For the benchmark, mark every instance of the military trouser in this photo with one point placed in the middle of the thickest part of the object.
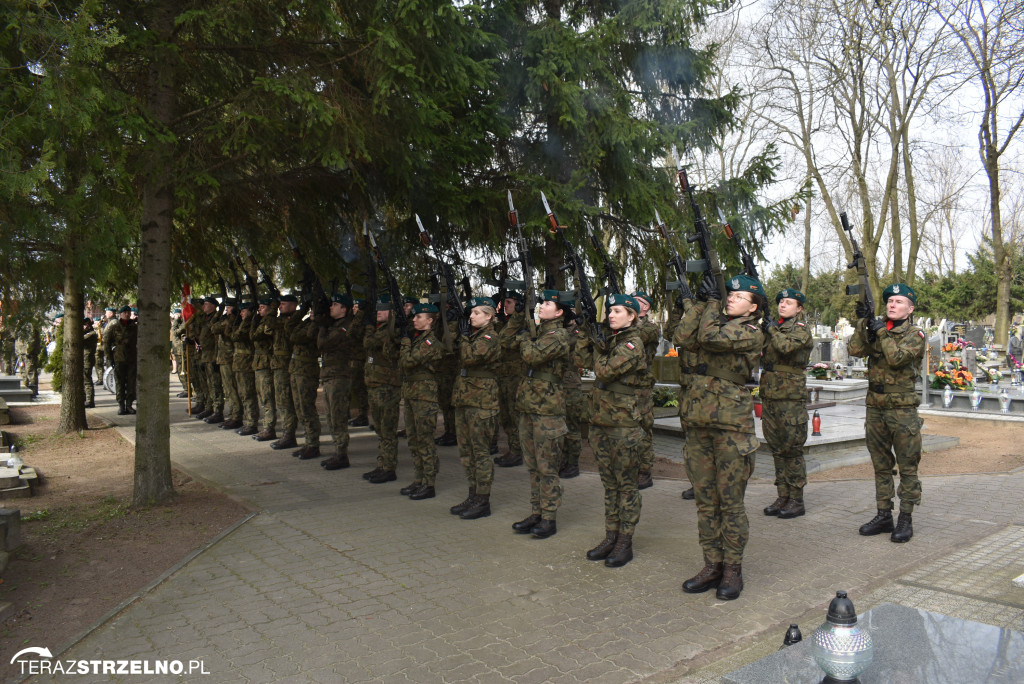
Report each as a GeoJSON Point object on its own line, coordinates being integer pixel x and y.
{"type": "Point", "coordinates": [577, 422]}
{"type": "Point", "coordinates": [214, 390]}
{"type": "Point", "coordinates": [198, 378]}
{"type": "Point", "coordinates": [475, 427]}
{"type": "Point", "coordinates": [304, 397]}
{"type": "Point", "coordinates": [508, 390]}
{"type": "Point", "coordinates": [337, 395]}
{"type": "Point", "coordinates": [360, 394]}
{"type": "Point", "coordinates": [245, 383]}
{"type": "Point", "coordinates": [617, 452]}
{"type": "Point", "coordinates": [265, 396]}
{"type": "Point", "coordinates": [384, 401]}
{"type": "Point", "coordinates": [284, 401]}
{"type": "Point", "coordinates": [124, 381]}
{"type": "Point", "coordinates": [645, 405]}
{"type": "Point", "coordinates": [231, 399]}
{"type": "Point", "coordinates": [785, 431]}
{"type": "Point", "coordinates": [719, 463]}
{"type": "Point", "coordinates": [894, 440]}
{"type": "Point", "coordinates": [420, 425]}
{"type": "Point", "coordinates": [542, 439]}
{"type": "Point", "coordinates": [445, 385]}
{"type": "Point", "coordinates": [179, 362]}
{"type": "Point", "coordinates": [100, 367]}
{"type": "Point", "coordinates": [684, 400]}
{"type": "Point", "coordinates": [90, 390]}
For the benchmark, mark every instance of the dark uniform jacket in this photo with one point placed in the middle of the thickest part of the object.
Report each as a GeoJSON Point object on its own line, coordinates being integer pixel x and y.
{"type": "Point", "coordinates": [241, 336]}
{"type": "Point", "coordinates": [335, 342]}
{"type": "Point", "coordinates": [382, 353]}
{"type": "Point", "coordinates": [123, 339]}
{"type": "Point", "coordinates": [305, 359]}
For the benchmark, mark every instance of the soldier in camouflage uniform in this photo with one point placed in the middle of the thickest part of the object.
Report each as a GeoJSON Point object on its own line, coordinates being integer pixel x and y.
{"type": "Point", "coordinates": [305, 378]}
{"type": "Point", "coordinates": [241, 364]}
{"type": "Point", "coordinates": [336, 341]}
{"type": "Point", "coordinates": [89, 339]}
{"type": "Point", "coordinates": [542, 409]}
{"type": "Point", "coordinates": [617, 434]}
{"type": "Point", "coordinates": [688, 351]}
{"type": "Point", "coordinates": [123, 347]}
{"type": "Point", "coordinates": [447, 371]}
{"type": "Point", "coordinates": [178, 350]}
{"type": "Point", "coordinates": [284, 324]}
{"type": "Point", "coordinates": [263, 352]}
{"type": "Point", "coordinates": [419, 355]}
{"type": "Point", "coordinates": [720, 441]}
{"type": "Point", "coordinates": [223, 329]}
{"type": "Point", "coordinates": [101, 358]}
{"type": "Point", "coordinates": [193, 329]}
{"type": "Point", "coordinates": [894, 347]}
{"type": "Point", "coordinates": [510, 374]}
{"type": "Point", "coordinates": [214, 412]}
{"type": "Point", "coordinates": [384, 384]}
{"type": "Point", "coordinates": [360, 397]}
{"type": "Point", "coordinates": [577, 415]}
{"type": "Point", "coordinates": [787, 348]}
{"type": "Point", "coordinates": [650, 333]}
{"type": "Point", "coordinates": [475, 397]}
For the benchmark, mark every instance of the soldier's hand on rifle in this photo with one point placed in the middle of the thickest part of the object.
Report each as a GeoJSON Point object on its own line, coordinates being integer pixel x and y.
{"type": "Point", "coordinates": [708, 288]}
{"type": "Point", "coordinates": [769, 324]}
{"type": "Point", "coordinates": [875, 325]}
{"type": "Point", "coordinates": [862, 311]}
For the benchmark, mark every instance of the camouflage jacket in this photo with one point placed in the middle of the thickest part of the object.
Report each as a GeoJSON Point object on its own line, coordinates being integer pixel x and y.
{"type": "Point", "coordinates": [177, 330]}
{"type": "Point", "coordinates": [241, 336]}
{"type": "Point", "coordinates": [89, 340]}
{"type": "Point", "coordinates": [579, 358]}
{"type": "Point", "coordinates": [730, 350]}
{"type": "Point", "coordinates": [620, 373]}
{"type": "Point", "coordinates": [650, 334]}
{"type": "Point", "coordinates": [262, 336]}
{"type": "Point", "coordinates": [547, 358]}
{"type": "Point", "coordinates": [477, 383]}
{"type": "Point", "coordinates": [222, 328]}
{"type": "Point", "coordinates": [205, 336]}
{"type": "Point", "coordinates": [684, 338]}
{"type": "Point", "coordinates": [335, 342]}
{"type": "Point", "coordinates": [123, 340]}
{"type": "Point", "coordinates": [894, 362]}
{"type": "Point", "coordinates": [305, 359]}
{"type": "Point", "coordinates": [382, 352]}
{"type": "Point", "coordinates": [512, 364]}
{"type": "Point", "coordinates": [418, 358]}
{"type": "Point", "coordinates": [282, 345]}
{"type": "Point", "coordinates": [787, 349]}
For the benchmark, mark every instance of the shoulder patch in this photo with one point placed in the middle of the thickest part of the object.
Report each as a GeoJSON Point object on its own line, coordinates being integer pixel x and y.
{"type": "Point", "coordinates": [487, 337]}
{"type": "Point", "coordinates": [921, 333]}
{"type": "Point", "coordinates": [427, 342]}
{"type": "Point", "coordinates": [752, 327]}
{"type": "Point", "coordinates": [630, 345]}
{"type": "Point", "coordinates": [800, 324]}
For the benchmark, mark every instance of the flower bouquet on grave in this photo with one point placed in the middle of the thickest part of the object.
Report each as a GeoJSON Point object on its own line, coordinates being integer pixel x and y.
{"type": "Point", "coordinates": [820, 370]}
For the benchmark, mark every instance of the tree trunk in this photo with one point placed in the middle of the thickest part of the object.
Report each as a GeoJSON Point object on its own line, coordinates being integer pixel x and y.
{"type": "Point", "coordinates": [152, 430]}
{"type": "Point", "coordinates": [72, 394]}
{"type": "Point", "coordinates": [805, 275]}
{"type": "Point", "coordinates": [1004, 274]}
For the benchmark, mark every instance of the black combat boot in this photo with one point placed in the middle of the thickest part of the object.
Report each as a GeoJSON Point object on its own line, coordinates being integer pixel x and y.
{"type": "Point", "coordinates": [370, 473]}
{"type": "Point", "coordinates": [129, 409]}
{"type": "Point", "coordinates": [525, 525]}
{"type": "Point", "coordinates": [458, 508]}
{"type": "Point", "coordinates": [309, 453]}
{"type": "Point", "coordinates": [265, 435]}
{"type": "Point", "coordinates": [645, 480]}
{"type": "Point", "coordinates": [688, 494]}
{"type": "Point", "coordinates": [424, 492]}
{"type": "Point", "coordinates": [622, 553]}
{"type": "Point", "coordinates": [544, 529]}
{"type": "Point", "coordinates": [709, 577]}
{"type": "Point", "coordinates": [494, 448]}
{"type": "Point", "coordinates": [446, 440]}
{"type": "Point", "coordinates": [196, 409]}
{"type": "Point", "coordinates": [359, 421]}
{"type": "Point", "coordinates": [732, 582]}
{"type": "Point", "coordinates": [298, 453]}
{"type": "Point", "coordinates": [569, 471]}
{"type": "Point", "coordinates": [231, 424]}
{"type": "Point", "coordinates": [879, 524]}
{"type": "Point", "coordinates": [509, 460]}
{"type": "Point", "coordinates": [382, 477]}
{"type": "Point", "coordinates": [774, 507]}
{"type": "Point", "coordinates": [410, 488]}
{"type": "Point", "coordinates": [286, 442]}
{"type": "Point", "coordinates": [204, 414]}
{"type": "Point", "coordinates": [794, 508]}
{"type": "Point", "coordinates": [246, 430]}
{"type": "Point", "coordinates": [214, 419]}
{"type": "Point", "coordinates": [180, 395]}
{"type": "Point", "coordinates": [336, 462]}
{"type": "Point", "coordinates": [121, 410]}
{"type": "Point", "coordinates": [601, 551]}
{"type": "Point", "coordinates": [480, 508]}
{"type": "Point", "coordinates": [904, 529]}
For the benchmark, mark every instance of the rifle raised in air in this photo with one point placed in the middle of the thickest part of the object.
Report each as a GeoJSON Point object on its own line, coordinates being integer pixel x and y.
{"type": "Point", "coordinates": [398, 318]}
{"type": "Point", "coordinates": [676, 263]}
{"type": "Point", "coordinates": [709, 257]}
{"type": "Point", "coordinates": [863, 288]}
{"type": "Point", "coordinates": [450, 295]}
{"type": "Point", "coordinates": [529, 289]}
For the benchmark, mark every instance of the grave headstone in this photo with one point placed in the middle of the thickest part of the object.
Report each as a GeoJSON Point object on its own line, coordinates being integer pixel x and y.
{"type": "Point", "coordinates": [975, 336]}
{"type": "Point", "coordinates": [839, 352]}
{"type": "Point", "coordinates": [971, 361]}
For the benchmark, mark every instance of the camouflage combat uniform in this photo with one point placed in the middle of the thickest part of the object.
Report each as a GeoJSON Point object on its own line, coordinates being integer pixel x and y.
{"type": "Point", "coordinates": [510, 374]}
{"type": "Point", "coordinates": [262, 336]}
{"type": "Point", "coordinates": [122, 339]}
{"type": "Point", "coordinates": [384, 386]}
{"type": "Point", "coordinates": [447, 371]}
{"type": "Point", "coordinates": [284, 324]}
{"type": "Point", "coordinates": [687, 349]}
{"type": "Point", "coordinates": [419, 357]}
{"type": "Point", "coordinates": [193, 328]}
{"type": "Point", "coordinates": [335, 342]}
{"type": "Point", "coordinates": [222, 329]}
{"type": "Point", "coordinates": [89, 339]}
{"type": "Point", "coordinates": [542, 410]}
{"type": "Point", "coordinates": [617, 436]}
{"type": "Point", "coordinates": [892, 426]}
{"type": "Point", "coordinates": [305, 378]}
{"type": "Point", "coordinates": [178, 349]}
{"type": "Point", "coordinates": [783, 392]}
{"type": "Point", "coordinates": [208, 362]}
{"type": "Point", "coordinates": [577, 404]}
{"type": "Point", "coordinates": [720, 441]}
{"type": "Point", "coordinates": [650, 335]}
{"type": "Point", "coordinates": [241, 364]}
{"type": "Point", "coordinates": [475, 398]}
{"type": "Point", "coordinates": [360, 396]}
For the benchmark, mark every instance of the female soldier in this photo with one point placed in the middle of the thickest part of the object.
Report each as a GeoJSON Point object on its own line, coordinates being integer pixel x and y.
{"type": "Point", "coordinates": [617, 437]}
{"type": "Point", "coordinates": [720, 441]}
{"type": "Point", "coordinates": [419, 355]}
{"type": "Point", "coordinates": [475, 398]}
{"type": "Point", "coordinates": [541, 406]}
{"type": "Point", "coordinates": [787, 348]}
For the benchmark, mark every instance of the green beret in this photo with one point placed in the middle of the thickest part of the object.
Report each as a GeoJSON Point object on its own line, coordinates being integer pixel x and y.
{"type": "Point", "coordinates": [548, 296]}
{"type": "Point", "coordinates": [384, 302]}
{"type": "Point", "coordinates": [512, 294]}
{"type": "Point", "coordinates": [790, 293]}
{"type": "Point", "coordinates": [125, 309]}
{"type": "Point", "coordinates": [640, 294]}
{"type": "Point", "coordinates": [290, 298]}
{"type": "Point", "coordinates": [230, 301]}
{"type": "Point", "coordinates": [211, 300]}
{"type": "Point", "coordinates": [111, 309]}
{"type": "Point", "coordinates": [744, 283]}
{"type": "Point", "coordinates": [901, 289]}
{"type": "Point", "coordinates": [409, 299]}
{"type": "Point", "coordinates": [622, 300]}
{"type": "Point", "coordinates": [342, 299]}
{"type": "Point", "coordinates": [267, 301]}
{"type": "Point", "coordinates": [247, 306]}
{"type": "Point", "coordinates": [424, 308]}
{"type": "Point", "coordinates": [480, 301]}
{"type": "Point", "coordinates": [60, 315]}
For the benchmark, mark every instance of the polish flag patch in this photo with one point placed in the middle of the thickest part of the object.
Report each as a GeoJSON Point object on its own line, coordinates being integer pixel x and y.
{"type": "Point", "coordinates": [487, 337]}
{"type": "Point", "coordinates": [630, 345]}
{"type": "Point", "coordinates": [752, 327]}
{"type": "Point", "coordinates": [427, 342]}
{"type": "Point", "coordinates": [801, 324]}
{"type": "Point", "coordinates": [921, 334]}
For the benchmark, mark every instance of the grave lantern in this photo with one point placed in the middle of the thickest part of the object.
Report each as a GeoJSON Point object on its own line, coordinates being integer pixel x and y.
{"type": "Point", "coordinates": [841, 647]}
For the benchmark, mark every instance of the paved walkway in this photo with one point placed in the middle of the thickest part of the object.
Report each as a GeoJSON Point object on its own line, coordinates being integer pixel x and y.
{"type": "Point", "coordinates": [338, 580]}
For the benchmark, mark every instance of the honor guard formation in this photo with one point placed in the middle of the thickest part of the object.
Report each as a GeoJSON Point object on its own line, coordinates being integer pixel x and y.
{"type": "Point", "coordinates": [517, 361]}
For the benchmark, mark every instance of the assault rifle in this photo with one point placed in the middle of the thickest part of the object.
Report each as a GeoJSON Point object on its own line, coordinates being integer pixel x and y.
{"type": "Point", "coordinates": [313, 294]}
{"type": "Point", "coordinates": [749, 267]}
{"type": "Point", "coordinates": [585, 300]}
{"type": "Point", "coordinates": [676, 263]}
{"type": "Point", "coordinates": [370, 314]}
{"type": "Point", "coordinates": [860, 263]}
{"type": "Point", "coordinates": [611, 278]}
{"type": "Point", "coordinates": [709, 257]}
{"type": "Point", "coordinates": [274, 292]}
{"type": "Point", "coordinates": [449, 294]}
{"type": "Point", "coordinates": [398, 318]}
{"type": "Point", "coordinates": [529, 290]}
{"type": "Point", "coordinates": [499, 279]}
